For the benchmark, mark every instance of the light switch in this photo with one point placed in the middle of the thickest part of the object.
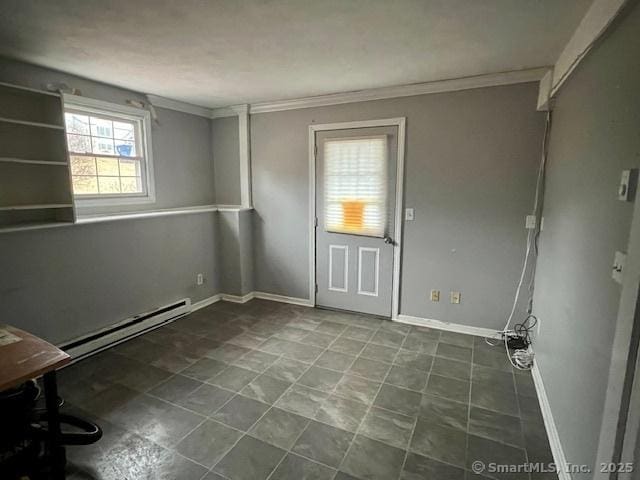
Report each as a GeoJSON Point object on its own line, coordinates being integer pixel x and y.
{"type": "Point", "coordinates": [409, 214]}
{"type": "Point", "coordinates": [435, 295]}
{"type": "Point", "coordinates": [455, 297]}
{"type": "Point", "coordinates": [619, 261]}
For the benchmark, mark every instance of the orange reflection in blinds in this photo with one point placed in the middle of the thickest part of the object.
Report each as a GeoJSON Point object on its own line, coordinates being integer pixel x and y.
{"type": "Point", "coordinates": [353, 215]}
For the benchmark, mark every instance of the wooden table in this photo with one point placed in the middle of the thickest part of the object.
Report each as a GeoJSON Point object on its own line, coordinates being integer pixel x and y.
{"type": "Point", "coordinates": [24, 356]}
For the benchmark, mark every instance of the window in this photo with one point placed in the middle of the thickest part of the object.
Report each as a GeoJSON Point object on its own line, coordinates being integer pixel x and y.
{"type": "Point", "coordinates": [109, 152]}
{"type": "Point", "coordinates": [355, 175]}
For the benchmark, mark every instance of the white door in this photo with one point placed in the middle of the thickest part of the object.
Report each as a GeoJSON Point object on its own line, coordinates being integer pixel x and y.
{"type": "Point", "coordinates": [355, 205]}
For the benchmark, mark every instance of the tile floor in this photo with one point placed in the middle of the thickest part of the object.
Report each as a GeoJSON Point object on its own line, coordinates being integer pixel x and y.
{"type": "Point", "coordinates": [268, 390]}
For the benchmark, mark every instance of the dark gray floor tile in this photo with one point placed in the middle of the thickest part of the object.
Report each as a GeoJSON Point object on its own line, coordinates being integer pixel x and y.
{"type": "Point", "coordinates": [495, 426]}
{"type": "Point", "coordinates": [335, 360]}
{"type": "Point", "coordinates": [438, 442]}
{"type": "Point", "coordinates": [304, 323]}
{"type": "Point", "coordinates": [399, 400]}
{"type": "Point", "coordinates": [443, 411]}
{"type": "Point", "coordinates": [417, 360]}
{"type": "Point", "coordinates": [175, 388]}
{"type": "Point", "coordinates": [250, 459]}
{"type": "Point", "coordinates": [525, 386]}
{"type": "Point", "coordinates": [493, 377]}
{"type": "Point", "coordinates": [488, 451]}
{"type": "Point", "coordinates": [409, 378]}
{"type": "Point", "coordinates": [388, 427]}
{"type": "Point", "coordinates": [388, 338]}
{"type": "Point", "coordinates": [302, 352]}
{"type": "Point", "coordinates": [156, 420]}
{"type": "Point", "coordinates": [459, 339]}
{"type": "Point", "coordinates": [173, 361]}
{"type": "Point", "coordinates": [320, 378]}
{"type": "Point", "coordinates": [357, 388]}
{"type": "Point", "coordinates": [417, 467]}
{"type": "Point", "coordinates": [492, 398]}
{"type": "Point", "coordinates": [279, 427]}
{"type": "Point", "coordinates": [420, 343]}
{"type": "Point", "coordinates": [318, 339]}
{"type": "Point", "coordinates": [301, 400]}
{"type": "Point", "coordinates": [380, 353]}
{"type": "Point", "coordinates": [345, 476]}
{"type": "Point", "coordinates": [105, 401]}
{"type": "Point", "coordinates": [323, 443]}
{"type": "Point", "coordinates": [530, 409]}
{"type": "Point", "coordinates": [294, 467]}
{"type": "Point", "coordinates": [227, 353]}
{"type": "Point", "coordinates": [493, 359]}
{"type": "Point", "coordinates": [331, 328]}
{"type": "Point", "coordinates": [287, 369]}
{"type": "Point", "coordinates": [256, 360]}
{"type": "Point", "coordinates": [358, 333]}
{"type": "Point", "coordinates": [265, 388]}
{"type": "Point", "coordinates": [206, 399]}
{"type": "Point", "coordinates": [397, 327]}
{"type": "Point", "coordinates": [204, 369]}
{"type": "Point", "coordinates": [342, 413]}
{"type": "Point", "coordinates": [451, 368]}
{"type": "Point", "coordinates": [373, 460]}
{"type": "Point", "coordinates": [140, 376]}
{"type": "Point", "coordinates": [240, 412]}
{"type": "Point", "coordinates": [213, 476]}
{"type": "Point", "coordinates": [454, 352]}
{"type": "Point", "coordinates": [136, 457]}
{"type": "Point", "coordinates": [292, 333]}
{"type": "Point", "coordinates": [370, 369]}
{"type": "Point", "coordinates": [248, 340]}
{"type": "Point", "coordinates": [347, 345]}
{"type": "Point", "coordinates": [451, 388]}
{"type": "Point", "coordinates": [537, 443]}
{"type": "Point", "coordinates": [208, 443]}
{"type": "Point", "coordinates": [234, 378]}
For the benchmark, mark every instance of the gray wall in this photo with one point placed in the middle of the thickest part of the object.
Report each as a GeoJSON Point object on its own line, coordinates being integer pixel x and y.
{"type": "Point", "coordinates": [594, 137]}
{"type": "Point", "coordinates": [235, 252]}
{"type": "Point", "coordinates": [226, 157]}
{"type": "Point", "coordinates": [471, 160]}
{"type": "Point", "coordinates": [65, 282]}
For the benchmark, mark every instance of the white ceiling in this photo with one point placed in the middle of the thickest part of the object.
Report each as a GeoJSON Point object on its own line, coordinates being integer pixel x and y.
{"type": "Point", "coordinates": [222, 52]}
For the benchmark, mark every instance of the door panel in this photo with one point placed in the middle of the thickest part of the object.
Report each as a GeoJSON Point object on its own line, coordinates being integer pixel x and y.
{"type": "Point", "coordinates": [354, 271]}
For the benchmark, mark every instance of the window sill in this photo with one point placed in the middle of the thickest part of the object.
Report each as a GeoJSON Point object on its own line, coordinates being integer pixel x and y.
{"type": "Point", "coordinates": [89, 219]}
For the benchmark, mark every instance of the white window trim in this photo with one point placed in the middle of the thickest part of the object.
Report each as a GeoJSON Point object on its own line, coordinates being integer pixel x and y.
{"type": "Point", "coordinates": [75, 102]}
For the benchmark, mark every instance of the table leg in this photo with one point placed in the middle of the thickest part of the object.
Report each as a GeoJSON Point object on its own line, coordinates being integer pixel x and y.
{"type": "Point", "coordinates": [56, 450]}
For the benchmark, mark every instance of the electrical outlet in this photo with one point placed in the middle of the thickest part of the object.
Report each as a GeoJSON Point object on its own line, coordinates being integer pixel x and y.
{"type": "Point", "coordinates": [409, 214]}
{"type": "Point", "coordinates": [435, 295]}
{"type": "Point", "coordinates": [199, 279]}
{"type": "Point", "coordinates": [455, 297]}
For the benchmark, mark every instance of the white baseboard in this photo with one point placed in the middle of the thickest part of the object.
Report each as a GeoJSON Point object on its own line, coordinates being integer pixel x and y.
{"type": "Point", "coordinates": [206, 302]}
{"type": "Point", "coordinates": [449, 327]}
{"type": "Point", "coordinates": [227, 297]}
{"type": "Point", "coordinates": [550, 425]}
{"type": "Point", "coordinates": [283, 299]}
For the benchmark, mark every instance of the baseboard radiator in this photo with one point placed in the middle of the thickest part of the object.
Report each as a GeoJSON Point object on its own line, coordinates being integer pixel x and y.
{"type": "Point", "coordinates": [126, 329]}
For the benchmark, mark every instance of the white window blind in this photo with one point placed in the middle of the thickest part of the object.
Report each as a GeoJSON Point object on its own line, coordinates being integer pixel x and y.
{"type": "Point", "coordinates": [355, 183]}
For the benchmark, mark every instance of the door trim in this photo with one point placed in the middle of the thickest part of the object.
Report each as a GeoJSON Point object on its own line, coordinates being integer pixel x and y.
{"type": "Point", "coordinates": [399, 122]}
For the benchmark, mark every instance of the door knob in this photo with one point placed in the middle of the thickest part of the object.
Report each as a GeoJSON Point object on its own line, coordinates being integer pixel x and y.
{"type": "Point", "coordinates": [388, 240]}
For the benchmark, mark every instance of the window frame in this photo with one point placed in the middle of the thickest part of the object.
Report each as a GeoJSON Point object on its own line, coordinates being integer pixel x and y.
{"type": "Point", "coordinates": [385, 191]}
{"type": "Point", "coordinates": [112, 111]}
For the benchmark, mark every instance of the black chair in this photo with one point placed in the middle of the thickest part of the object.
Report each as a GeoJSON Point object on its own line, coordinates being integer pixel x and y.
{"type": "Point", "coordinates": [24, 433]}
